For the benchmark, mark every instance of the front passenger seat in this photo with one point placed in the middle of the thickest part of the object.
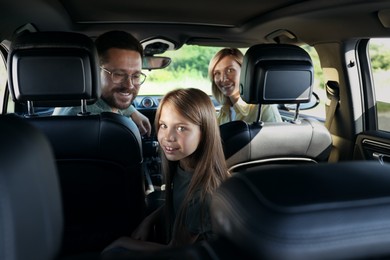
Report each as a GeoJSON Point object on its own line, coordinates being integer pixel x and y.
{"type": "Point", "coordinates": [275, 74]}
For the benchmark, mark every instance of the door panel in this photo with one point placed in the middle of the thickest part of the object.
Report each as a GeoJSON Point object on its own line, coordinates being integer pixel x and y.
{"type": "Point", "coordinates": [373, 145]}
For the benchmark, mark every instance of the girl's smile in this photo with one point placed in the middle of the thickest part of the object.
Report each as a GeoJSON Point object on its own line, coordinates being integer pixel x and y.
{"type": "Point", "coordinates": [178, 136]}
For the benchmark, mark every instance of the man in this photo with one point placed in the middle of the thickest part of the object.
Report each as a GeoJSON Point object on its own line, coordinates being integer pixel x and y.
{"type": "Point", "coordinates": [120, 56]}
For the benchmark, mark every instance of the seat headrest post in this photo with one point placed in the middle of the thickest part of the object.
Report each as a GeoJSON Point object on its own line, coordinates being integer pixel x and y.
{"type": "Point", "coordinates": [83, 107]}
{"type": "Point", "coordinates": [296, 117]}
{"type": "Point", "coordinates": [258, 114]}
{"type": "Point", "coordinates": [30, 108]}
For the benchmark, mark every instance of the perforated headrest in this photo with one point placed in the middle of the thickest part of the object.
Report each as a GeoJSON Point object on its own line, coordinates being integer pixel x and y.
{"type": "Point", "coordinates": [53, 68]}
{"type": "Point", "coordinates": [276, 74]}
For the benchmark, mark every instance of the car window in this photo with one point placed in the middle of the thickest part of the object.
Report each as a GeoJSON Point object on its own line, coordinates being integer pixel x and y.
{"type": "Point", "coordinates": [379, 50]}
{"type": "Point", "coordinates": [3, 80]}
{"type": "Point", "coordinates": [4, 45]}
{"type": "Point", "coordinates": [319, 86]}
{"type": "Point", "coordinates": [189, 68]}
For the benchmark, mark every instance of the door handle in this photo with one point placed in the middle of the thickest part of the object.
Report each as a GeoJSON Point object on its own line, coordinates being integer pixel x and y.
{"type": "Point", "coordinates": [380, 157]}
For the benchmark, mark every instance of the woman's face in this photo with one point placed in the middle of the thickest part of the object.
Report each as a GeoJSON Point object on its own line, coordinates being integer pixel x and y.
{"type": "Point", "coordinates": [226, 76]}
{"type": "Point", "coordinates": [178, 137]}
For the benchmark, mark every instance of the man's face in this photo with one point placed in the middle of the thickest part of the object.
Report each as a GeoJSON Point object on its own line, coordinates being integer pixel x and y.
{"type": "Point", "coordinates": [120, 95]}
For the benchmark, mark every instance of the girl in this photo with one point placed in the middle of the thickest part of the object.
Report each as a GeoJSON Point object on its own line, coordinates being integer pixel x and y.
{"type": "Point", "coordinates": [194, 166]}
{"type": "Point", "coordinates": [224, 73]}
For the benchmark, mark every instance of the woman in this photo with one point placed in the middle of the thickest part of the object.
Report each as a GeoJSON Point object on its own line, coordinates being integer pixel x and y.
{"type": "Point", "coordinates": [224, 73]}
{"type": "Point", "coordinates": [194, 166]}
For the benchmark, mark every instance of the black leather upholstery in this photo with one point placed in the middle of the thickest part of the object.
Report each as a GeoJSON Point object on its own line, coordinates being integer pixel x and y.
{"type": "Point", "coordinates": [99, 157]}
{"type": "Point", "coordinates": [30, 204]}
{"type": "Point", "coordinates": [275, 74]}
{"type": "Point", "coordinates": [53, 69]}
{"type": "Point", "coordinates": [316, 211]}
{"type": "Point", "coordinates": [100, 169]}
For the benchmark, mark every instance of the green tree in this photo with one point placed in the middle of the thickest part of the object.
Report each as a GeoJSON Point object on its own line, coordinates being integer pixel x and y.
{"type": "Point", "coordinates": [380, 57]}
{"type": "Point", "coordinates": [192, 59]}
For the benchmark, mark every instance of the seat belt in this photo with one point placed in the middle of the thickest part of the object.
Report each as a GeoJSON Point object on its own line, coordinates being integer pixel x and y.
{"type": "Point", "coordinates": [333, 94]}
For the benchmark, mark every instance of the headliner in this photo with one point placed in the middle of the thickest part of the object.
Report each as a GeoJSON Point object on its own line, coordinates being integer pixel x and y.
{"type": "Point", "coordinates": [219, 23]}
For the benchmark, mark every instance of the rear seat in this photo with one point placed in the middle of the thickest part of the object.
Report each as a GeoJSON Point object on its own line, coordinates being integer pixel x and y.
{"type": "Point", "coordinates": [30, 205]}
{"type": "Point", "coordinates": [324, 211]}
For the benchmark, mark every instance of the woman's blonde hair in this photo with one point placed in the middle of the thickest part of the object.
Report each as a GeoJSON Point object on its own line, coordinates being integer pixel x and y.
{"type": "Point", "coordinates": [208, 161]}
{"type": "Point", "coordinates": [237, 55]}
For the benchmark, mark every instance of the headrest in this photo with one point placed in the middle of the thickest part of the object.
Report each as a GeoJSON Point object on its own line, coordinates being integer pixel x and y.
{"type": "Point", "coordinates": [276, 74]}
{"type": "Point", "coordinates": [31, 218]}
{"type": "Point", "coordinates": [323, 211]}
{"type": "Point", "coordinates": [53, 68]}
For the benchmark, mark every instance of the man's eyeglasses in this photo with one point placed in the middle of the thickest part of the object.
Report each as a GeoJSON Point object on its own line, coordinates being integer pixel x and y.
{"type": "Point", "coordinates": [119, 77]}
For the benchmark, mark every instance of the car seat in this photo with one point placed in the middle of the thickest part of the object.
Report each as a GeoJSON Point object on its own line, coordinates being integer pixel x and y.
{"type": "Point", "coordinates": [275, 74]}
{"type": "Point", "coordinates": [99, 156]}
{"type": "Point", "coordinates": [31, 220]}
{"type": "Point", "coordinates": [312, 211]}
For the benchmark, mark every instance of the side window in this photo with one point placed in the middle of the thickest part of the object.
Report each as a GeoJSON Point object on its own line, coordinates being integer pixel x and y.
{"type": "Point", "coordinates": [379, 51]}
{"type": "Point", "coordinates": [3, 81]}
{"type": "Point", "coordinates": [318, 88]}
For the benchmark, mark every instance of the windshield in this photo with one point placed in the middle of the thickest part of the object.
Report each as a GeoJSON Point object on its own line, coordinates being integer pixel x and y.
{"type": "Point", "coordinates": [188, 69]}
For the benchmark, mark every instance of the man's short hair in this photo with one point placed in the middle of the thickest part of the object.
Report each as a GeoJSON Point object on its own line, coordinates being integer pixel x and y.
{"type": "Point", "coordinates": [117, 39]}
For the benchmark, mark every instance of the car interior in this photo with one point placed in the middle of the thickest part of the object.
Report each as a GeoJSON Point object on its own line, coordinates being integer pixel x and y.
{"type": "Point", "coordinates": [31, 211]}
{"type": "Point", "coordinates": [314, 186]}
{"type": "Point", "coordinates": [275, 73]}
{"type": "Point", "coordinates": [102, 191]}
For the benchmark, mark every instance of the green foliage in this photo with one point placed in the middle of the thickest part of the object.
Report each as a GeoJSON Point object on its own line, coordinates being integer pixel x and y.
{"type": "Point", "coordinates": [383, 107]}
{"type": "Point", "coordinates": [380, 55]}
{"type": "Point", "coordinates": [160, 76]}
{"type": "Point", "coordinates": [191, 62]}
{"type": "Point", "coordinates": [318, 75]}
{"type": "Point", "coordinates": [191, 59]}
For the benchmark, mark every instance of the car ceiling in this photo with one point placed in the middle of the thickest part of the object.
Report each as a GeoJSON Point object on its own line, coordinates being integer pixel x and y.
{"type": "Point", "coordinates": [217, 23]}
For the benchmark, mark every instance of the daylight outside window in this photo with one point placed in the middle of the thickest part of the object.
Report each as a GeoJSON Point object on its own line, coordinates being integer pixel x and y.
{"type": "Point", "coordinates": [379, 50]}
{"type": "Point", "coordinates": [189, 68]}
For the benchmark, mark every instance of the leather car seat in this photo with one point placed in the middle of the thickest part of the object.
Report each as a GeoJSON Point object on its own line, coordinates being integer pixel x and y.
{"type": "Point", "coordinates": [99, 156]}
{"type": "Point", "coordinates": [31, 219]}
{"type": "Point", "coordinates": [275, 74]}
{"type": "Point", "coordinates": [313, 211]}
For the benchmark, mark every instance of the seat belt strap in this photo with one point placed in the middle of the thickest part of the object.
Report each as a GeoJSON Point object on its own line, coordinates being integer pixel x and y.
{"type": "Point", "coordinates": [332, 91]}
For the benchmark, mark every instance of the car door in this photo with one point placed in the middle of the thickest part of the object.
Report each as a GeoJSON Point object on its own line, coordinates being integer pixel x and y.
{"type": "Point", "coordinates": [374, 142]}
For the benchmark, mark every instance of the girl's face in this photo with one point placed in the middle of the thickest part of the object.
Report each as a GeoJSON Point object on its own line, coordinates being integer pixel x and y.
{"type": "Point", "coordinates": [178, 137]}
{"type": "Point", "coordinates": [226, 76]}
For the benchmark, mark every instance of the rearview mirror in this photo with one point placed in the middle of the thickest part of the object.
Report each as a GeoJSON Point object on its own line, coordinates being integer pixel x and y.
{"type": "Point", "coordinates": [153, 63]}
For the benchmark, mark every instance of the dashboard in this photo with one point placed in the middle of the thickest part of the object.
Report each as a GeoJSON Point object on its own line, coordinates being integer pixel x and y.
{"type": "Point", "coordinates": [145, 102]}
{"type": "Point", "coordinates": [151, 102]}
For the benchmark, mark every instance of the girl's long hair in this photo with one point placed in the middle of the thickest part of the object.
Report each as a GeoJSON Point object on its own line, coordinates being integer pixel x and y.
{"type": "Point", "coordinates": [237, 56]}
{"type": "Point", "coordinates": [208, 160]}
